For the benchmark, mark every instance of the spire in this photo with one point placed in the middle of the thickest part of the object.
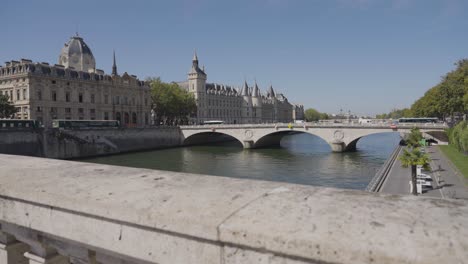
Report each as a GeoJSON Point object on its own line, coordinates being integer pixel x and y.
{"type": "Point", "coordinates": [271, 92]}
{"type": "Point", "coordinates": [256, 91]}
{"type": "Point", "coordinates": [114, 66]}
{"type": "Point", "coordinates": [195, 58]}
{"type": "Point", "coordinates": [245, 89]}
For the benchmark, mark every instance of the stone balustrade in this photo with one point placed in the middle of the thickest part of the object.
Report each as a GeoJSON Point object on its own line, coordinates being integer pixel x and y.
{"type": "Point", "coordinates": [54, 211]}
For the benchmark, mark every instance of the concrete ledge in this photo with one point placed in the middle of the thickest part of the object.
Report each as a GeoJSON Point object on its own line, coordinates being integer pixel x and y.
{"type": "Point", "coordinates": [152, 216]}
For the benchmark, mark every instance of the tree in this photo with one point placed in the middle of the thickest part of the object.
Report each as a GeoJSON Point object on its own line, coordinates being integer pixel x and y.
{"type": "Point", "coordinates": [324, 116]}
{"type": "Point", "coordinates": [412, 156]}
{"type": "Point", "coordinates": [311, 115]}
{"type": "Point", "coordinates": [6, 109]}
{"type": "Point", "coordinates": [171, 104]}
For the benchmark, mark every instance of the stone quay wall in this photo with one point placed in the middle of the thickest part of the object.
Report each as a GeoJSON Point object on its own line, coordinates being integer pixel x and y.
{"type": "Point", "coordinates": [79, 143]}
{"type": "Point", "coordinates": [56, 211]}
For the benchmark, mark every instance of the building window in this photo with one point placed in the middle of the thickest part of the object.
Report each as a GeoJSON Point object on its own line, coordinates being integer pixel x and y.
{"type": "Point", "coordinates": [80, 110]}
{"type": "Point", "coordinates": [17, 94]}
{"type": "Point", "coordinates": [38, 109]}
{"type": "Point", "coordinates": [39, 95]}
{"type": "Point", "coordinates": [53, 110]}
{"type": "Point", "coordinates": [24, 94]}
{"type": "Point", "coordinates": [67, 96]}
{"type": "Point", "coordinates": [106, 99]}
{"type": "Point", "coordinates": [92, 111]}
{"type": "Point", "coordinates": [54, 82]}
{"type": "Point", "coordinates": [68, 110]}
{"type": "Point", "coordinates": [134, 118]}
{"type": "Point", "coordinates": [80, 97]}
{"type": "Point", "coordinates": [106, 116]}
{"type": "Point", "coordinates": [54, 96]}
{"type": "Point", "coordinates": [117, 100]}
{"type": "Point", "coordinates": [146, 101]}
{"type": "Point", "coordinates": [92, 98]}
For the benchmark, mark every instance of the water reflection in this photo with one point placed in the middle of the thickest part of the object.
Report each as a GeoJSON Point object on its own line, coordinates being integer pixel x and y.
{"type": "Point", "coordinates": [302, 159]}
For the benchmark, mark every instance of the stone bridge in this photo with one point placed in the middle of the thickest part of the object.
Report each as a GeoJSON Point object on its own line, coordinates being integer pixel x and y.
{"type": "Point", "coordinates": [340, 137]}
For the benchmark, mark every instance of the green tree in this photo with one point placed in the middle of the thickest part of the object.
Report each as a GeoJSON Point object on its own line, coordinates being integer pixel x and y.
{"type": "Point", "coordinates": [311, 115]}
{"type": "Point", "coordinates": [171, 104]}
{"type": "Point", "coordinates": [6, 108]}
{"type": "Point", "coordinates": [324, 116]}
{"type": "Point", "coordinates": [412, 156]}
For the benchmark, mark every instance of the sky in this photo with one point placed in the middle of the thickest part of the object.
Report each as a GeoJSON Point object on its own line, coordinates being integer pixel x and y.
{"type": "Point", "coordinates": [363, 56]}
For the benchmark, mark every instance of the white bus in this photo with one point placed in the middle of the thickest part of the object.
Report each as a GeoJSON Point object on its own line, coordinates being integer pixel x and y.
{"type": "Point", "coordinates": [213, 122]}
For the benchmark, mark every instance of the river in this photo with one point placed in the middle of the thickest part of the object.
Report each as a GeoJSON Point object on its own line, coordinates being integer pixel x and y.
{"type": "Point", "coordinates": [302, 159]}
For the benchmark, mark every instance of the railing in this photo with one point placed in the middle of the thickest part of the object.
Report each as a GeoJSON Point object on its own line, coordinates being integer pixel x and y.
{"type": "Point", "coordinates": [54, 211]}
{"type": "Point", "coordinates": [322, 125]}
{"type": "Point", "coordinates": [377, 181]}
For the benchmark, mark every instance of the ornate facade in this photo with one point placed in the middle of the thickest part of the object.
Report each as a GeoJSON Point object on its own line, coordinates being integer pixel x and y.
{"type": "Point", "coordinates": [75, 89]}
{"type": "Point", "coordinates": [237, 106]}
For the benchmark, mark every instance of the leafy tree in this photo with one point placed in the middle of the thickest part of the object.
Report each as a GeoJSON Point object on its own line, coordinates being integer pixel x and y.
{"type": "Point", "coordinates": [448, 97]}
{"type": "Point", "coordinates": [395, 114]}
{"type": "Point", "coordinates": [412, 156]}
{"type": "Point", "coordinates": [324, 116]}
{"type": "Point", "coordinates": [171, 104]}
{"type": "Point", "coordinates": [311, 115]}
{"type": "Point", "coordinates": [6, 109]}
{"type": "Point", "coordinates": [414, 138]}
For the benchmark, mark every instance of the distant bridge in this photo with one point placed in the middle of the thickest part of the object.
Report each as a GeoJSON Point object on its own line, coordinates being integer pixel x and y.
{"type": "Point", "coordinates": [340, 137]}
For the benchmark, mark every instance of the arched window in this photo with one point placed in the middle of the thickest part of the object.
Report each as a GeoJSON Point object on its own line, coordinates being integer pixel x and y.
{"type": "Point", "coordinates": [127, 118]}
{"type": "Point", "coordinates": [134, 118]}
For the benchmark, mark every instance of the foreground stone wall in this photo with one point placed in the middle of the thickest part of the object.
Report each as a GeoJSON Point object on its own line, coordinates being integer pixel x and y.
{"type": "Point", "coordinates": [91, 213]}
{"type": "Point", "coordinates": [66, 144]}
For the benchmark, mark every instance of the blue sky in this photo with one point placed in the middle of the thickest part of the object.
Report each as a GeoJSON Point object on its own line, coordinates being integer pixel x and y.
{"type": "Point", "coordinates": [367, 56]}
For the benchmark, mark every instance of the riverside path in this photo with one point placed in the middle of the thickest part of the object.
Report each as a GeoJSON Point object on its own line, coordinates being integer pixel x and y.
{"type": "Point", "coordinates": [447, 181]}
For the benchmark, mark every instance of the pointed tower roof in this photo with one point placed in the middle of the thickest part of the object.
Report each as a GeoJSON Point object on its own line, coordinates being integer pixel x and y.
{"type": "Point", "coordinates": [195, 68]}
{"type": "Point", "coordinates": [114, 66]}
{"type": "Point", "coordinates": [256, 90]}
{"type": "Point", "coordinates": [245, 89]}
{"type": "Point", "coordinates": [271, 92]}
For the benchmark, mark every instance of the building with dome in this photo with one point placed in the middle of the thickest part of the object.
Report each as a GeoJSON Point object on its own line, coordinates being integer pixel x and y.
{"type": "Point", "coordinates": [74, 89]}
{"type": "Point", "coordinates": [246, 105]}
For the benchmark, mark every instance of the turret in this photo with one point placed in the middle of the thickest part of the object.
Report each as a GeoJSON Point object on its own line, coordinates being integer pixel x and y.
{"type": "Point", "coordinates": [256, 104]}
{"type": "Point", "coordinates": [247, 104]}
{"type": "Point", "coordinates": [197, 86]}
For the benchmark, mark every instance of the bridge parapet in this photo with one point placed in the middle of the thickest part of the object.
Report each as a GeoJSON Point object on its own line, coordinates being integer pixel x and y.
{"type": "Point", "coordinates": [54, 211]}
{"type": "Point", "coordinates": [321, 125]}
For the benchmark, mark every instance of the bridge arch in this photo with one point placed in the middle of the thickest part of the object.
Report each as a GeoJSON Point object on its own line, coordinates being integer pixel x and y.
{"type": "Point", "coordinates": [208, 137]}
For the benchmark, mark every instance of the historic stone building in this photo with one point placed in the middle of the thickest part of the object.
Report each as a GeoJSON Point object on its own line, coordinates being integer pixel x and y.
{"type": "Point", "coordinates": [236, 106]}
{"type": "Point", "coordinates": [75, 89]}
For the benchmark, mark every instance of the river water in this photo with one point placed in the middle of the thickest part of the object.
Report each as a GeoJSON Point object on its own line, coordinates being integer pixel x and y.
{"type": "Point", "coordinates": [302, 159]}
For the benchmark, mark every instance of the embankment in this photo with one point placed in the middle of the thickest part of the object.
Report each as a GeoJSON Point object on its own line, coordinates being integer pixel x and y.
{"type": "Point", "coordinates": [68, 144]}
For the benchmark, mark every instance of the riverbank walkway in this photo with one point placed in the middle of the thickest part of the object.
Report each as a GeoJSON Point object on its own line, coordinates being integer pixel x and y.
{"type": "Point", "coordinates": [447, 180]}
